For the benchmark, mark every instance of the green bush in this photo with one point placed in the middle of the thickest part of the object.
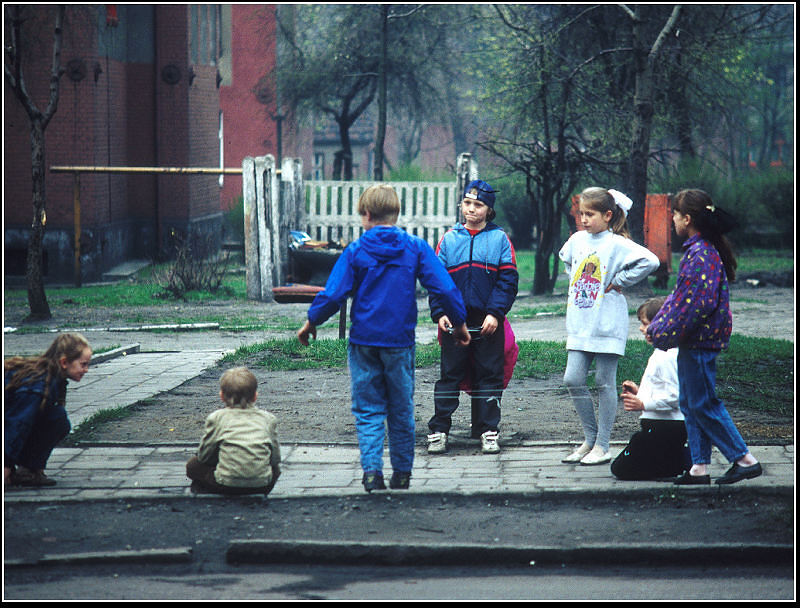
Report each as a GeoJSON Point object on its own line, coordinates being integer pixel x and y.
{"type": "Point", "coordinates": [762, 201]}
{"type": "Point", "coordinates": [233, 226]}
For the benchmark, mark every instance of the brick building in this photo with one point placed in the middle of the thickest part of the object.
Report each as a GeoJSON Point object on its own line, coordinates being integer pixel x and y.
{"type": "Point", "coordinates": [168, 85]}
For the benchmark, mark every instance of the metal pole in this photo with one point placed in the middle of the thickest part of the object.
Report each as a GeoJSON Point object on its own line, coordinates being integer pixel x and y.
{"type": "Point", "coordinates": [179, 170]}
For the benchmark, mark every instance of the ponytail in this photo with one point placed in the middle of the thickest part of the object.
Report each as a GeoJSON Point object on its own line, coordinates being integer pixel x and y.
{"type": "Point", "coordinates": [712, 222]}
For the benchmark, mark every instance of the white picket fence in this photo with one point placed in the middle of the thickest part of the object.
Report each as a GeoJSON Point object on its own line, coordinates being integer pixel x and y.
{"type": "Point", "coordinates": [277, 201]}
{"type": "Point", "coordinates": [427, 209]}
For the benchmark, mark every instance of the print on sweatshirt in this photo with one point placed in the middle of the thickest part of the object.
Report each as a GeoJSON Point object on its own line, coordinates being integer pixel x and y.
{"type": "Point", "coordinates": [586, 282]}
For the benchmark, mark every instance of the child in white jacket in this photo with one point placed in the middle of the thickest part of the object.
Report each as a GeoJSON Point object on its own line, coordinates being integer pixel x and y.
{"type": "Point", "coordinates": [600, 260]}
{"type": "Point", "coordinates": [659, 450]}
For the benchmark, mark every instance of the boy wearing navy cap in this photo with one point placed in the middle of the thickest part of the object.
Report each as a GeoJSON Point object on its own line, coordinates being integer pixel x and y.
{"type": "Point", "coordinates": [480, 258]}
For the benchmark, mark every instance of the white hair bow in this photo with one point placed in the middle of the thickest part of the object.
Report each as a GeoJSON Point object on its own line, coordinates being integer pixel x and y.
{"type": "Point", "coordinates": [623, 202]}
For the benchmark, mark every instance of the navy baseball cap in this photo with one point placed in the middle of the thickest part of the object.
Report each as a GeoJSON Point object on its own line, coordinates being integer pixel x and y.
{"type": "Point", "coordinates": [485, 192]}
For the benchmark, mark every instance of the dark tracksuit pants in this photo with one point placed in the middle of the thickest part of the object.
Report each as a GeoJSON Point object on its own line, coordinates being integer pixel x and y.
{"type": "Point", "coordinates": [481, 362]}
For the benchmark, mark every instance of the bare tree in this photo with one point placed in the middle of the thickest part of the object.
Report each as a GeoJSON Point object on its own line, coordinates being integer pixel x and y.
{"type": "Point", "coordinates": [644, 57]}
{"type": "Point", "coordinates": [16, 16]}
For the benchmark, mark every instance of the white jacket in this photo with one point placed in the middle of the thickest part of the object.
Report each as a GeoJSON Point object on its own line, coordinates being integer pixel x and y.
{"type": "Point", "coordinates": [597, 322]}
{"type": "Point", "coordinates": [658, 389]}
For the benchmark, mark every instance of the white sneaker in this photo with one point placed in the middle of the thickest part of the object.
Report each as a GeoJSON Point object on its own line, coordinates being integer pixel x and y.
{"type": "Point", "coordinates": [596, 456]}
{"type": "Point", "coordinates": [437, 443]}
{"type": "Point", "coordinates": [578, 454]}
{"type": "Point", "coordinates": [489, 443]}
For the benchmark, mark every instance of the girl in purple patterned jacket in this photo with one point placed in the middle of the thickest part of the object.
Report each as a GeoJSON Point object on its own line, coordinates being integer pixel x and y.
{"type": "Point", "coordinates": [697, 319]}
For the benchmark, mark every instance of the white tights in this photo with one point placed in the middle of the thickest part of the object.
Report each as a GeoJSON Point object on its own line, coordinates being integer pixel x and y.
{"type": "Point", "coordinates": [596, 431]}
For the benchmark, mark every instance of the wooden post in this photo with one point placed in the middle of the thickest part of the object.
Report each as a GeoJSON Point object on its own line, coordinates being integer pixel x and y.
{"type": "Point", "coordinates": [76, 218]}
{"type": "Point", "coordinates": [265, 188]}
{"type": "Point", "coordinates": [466, 171]}
{"type": "Point", "coordinates": [251, 259]}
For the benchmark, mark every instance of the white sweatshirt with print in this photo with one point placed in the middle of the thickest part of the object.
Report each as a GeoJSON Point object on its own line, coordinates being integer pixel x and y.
{"type": "Point", "coordinates": [597, 321]}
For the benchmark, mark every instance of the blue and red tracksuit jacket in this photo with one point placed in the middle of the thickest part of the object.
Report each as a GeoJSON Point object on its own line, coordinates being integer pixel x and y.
{"type": "Point", "coordinates": [483, 267]}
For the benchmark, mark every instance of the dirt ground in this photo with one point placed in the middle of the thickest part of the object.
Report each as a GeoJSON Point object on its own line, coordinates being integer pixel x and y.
{"type": "Point", "coordinates": [314, 406]}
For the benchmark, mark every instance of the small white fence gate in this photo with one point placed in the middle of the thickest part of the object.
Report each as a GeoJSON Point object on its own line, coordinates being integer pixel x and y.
{"type": "Point", "coordinates": [277, 201]}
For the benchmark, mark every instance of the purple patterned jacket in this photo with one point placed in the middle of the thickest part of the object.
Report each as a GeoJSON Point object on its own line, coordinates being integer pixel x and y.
{"type": "Point", "coordinates": [697, 314]}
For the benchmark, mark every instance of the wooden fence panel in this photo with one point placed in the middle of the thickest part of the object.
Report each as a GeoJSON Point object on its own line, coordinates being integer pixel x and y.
{"type": "Point", "coordinates": [427, 209]}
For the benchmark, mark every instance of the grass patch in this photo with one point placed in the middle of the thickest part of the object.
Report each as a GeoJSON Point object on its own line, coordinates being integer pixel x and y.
{"type": "Point", "coordinates": [757, 373]}
{"type": "Point", "coordinates": [85, 430]}
{"type": "Point", "coordinates": [754, 373]}
{"type": "Point", "coordinates": [289, 354]}
{"type": "Point", "coordinates": [129, 294]}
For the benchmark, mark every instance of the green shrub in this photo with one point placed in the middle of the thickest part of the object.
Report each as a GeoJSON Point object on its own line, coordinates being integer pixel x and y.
{"type": "Point", "coordinates": [762, 201]}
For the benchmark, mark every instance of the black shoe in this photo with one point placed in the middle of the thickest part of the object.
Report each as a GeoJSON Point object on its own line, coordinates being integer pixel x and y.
{"type": "Point", "coordinates": [692, 480]}
{"type": "Point", "coordinates": [373, 480]}
{"type": "Point", "coordinates": [738, 472]}
{"type": "Point", "coordinates": [400, 481]}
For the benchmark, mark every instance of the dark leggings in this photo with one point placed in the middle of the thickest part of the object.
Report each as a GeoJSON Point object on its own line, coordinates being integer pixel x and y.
{"type": "Point", "coordinates": [658, 451]}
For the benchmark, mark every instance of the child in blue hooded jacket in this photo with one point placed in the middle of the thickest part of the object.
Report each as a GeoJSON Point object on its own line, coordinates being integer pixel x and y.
{"type": "Point", "coordinates": [380, 271]}
{"type": "Point", "coordinates": [480, 257]}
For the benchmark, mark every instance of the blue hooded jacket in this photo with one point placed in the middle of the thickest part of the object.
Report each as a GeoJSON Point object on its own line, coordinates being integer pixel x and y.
{"type": "Point", "coordinates": [380, 271]}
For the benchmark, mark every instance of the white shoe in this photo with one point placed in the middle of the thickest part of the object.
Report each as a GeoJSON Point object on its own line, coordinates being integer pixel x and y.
{"type": "Point", "coordinates": [578, 454]}
{"type": "Point", "coordinates": [489, 443]}
{"type": "Point", "coordinates": [596, 456]}
{"type": "Point", "coordinates": [437, 443]}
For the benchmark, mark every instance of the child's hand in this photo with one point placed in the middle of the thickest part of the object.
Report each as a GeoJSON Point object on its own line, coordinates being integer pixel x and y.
{"type": "Point", "coordinates": [629, 387]}
{"type": "Point", "coordinates": [489, 325]}
{"type": "Point", "coordinates": [444, 324]}
{"type": "Point", "coordinates": [461, 335]}
{"type": "Point", "coordinates": [632, 403]}
{"type": "Point", "coordinates": [304, 332]}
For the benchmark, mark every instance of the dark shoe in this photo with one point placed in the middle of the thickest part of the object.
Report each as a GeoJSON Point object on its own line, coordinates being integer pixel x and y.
{"type": "Point", "coordinates": [692, 480]}
{"type": "Point", "coordinates": [373, 480]}
{"type": "Point", "coordinates": [32, 479]}
{"type": "Point", "coordinates": [400, 481]}
{"type": "Point", "coordinates": [738, 472]}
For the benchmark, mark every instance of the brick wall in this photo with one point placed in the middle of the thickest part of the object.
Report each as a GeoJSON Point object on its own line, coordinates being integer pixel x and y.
{"type": "Point", "coordinates": [123, 112]}
{"type": "Point", "coordinates": [249, 129]}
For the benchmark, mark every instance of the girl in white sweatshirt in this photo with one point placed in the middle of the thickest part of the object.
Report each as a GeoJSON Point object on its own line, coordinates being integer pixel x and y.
{"type": "Point", "coordinates": [600, 260]}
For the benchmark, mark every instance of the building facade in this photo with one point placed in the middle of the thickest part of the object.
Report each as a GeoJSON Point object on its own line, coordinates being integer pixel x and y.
{"type": "Point", "coordinates": [169, 85]}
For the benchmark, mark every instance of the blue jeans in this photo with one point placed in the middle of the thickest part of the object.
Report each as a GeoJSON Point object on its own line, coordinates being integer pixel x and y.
{"type": "Point", "coordinates": [707, 420]}
{"type": "Point", "coordinates": [382, 381]}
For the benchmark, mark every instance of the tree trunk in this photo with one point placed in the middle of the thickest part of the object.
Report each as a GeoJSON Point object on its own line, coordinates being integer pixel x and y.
{"type": "Point", "coordinates": [381, 135]}
{"type": "Point", "coordinates": [37, 300]}
{"type": "Point", "coordinates": [640, 133]}
{"type": "Point", "coordinates": [643, 114]}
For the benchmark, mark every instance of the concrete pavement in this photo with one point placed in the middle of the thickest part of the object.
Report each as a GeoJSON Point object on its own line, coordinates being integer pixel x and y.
{"type": "Point", "coordinates": [127, 471]}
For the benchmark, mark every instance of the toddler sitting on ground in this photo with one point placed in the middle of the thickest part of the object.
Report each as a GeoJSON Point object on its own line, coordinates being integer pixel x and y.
{"type": "Point", "coordinates": [239, 453]}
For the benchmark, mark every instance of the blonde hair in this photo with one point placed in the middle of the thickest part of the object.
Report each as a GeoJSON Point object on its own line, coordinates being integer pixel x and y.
{"type": "Point", "coordinates": [601, 200]}
{"type": "Point", "coordinates": [381, 202]}
{"type": "Point", "coordinates": [238, 386]}
{"type": "Point", "coordinates": [27, 370]}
